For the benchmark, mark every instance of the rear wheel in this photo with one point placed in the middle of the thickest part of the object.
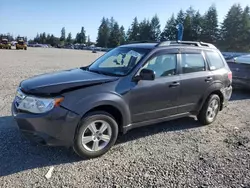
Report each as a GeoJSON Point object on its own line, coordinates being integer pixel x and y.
{"type": "Point", "coordinates": [97, 133]}
{"type": "Point", "coordinates": [209, 110]}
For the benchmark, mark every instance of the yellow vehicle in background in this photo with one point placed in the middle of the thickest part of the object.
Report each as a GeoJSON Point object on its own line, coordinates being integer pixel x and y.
{"type": "Point", "coordinates": [21, 44]}
{"type": "Point", "coordinates": [4, 43]}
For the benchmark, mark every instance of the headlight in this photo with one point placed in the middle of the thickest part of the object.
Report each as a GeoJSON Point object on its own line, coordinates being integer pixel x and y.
{"type": "Point", "coordinates": [37, 105]}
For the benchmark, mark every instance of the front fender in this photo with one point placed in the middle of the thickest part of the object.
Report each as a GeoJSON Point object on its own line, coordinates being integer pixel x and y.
{"type": "Point", "coordinates": [89, 102]}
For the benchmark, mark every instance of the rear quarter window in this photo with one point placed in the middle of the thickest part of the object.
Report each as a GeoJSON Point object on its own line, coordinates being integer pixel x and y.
{"type": "Point", "coordinates": [214, 60]}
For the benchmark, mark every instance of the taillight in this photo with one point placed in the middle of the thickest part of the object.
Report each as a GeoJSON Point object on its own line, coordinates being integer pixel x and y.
{"type": "Point", "coordinates": [230, 76]}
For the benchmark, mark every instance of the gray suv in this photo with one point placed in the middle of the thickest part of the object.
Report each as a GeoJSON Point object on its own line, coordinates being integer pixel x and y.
{"type": "Point", "coordinates": [130, 86]}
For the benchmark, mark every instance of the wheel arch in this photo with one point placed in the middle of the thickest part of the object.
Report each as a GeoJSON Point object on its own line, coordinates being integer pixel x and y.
{"type": "Point", "coordinates": [213, 89]}
{"type": "Point", "coordinates": [111, 103]}
{"type": "Point", "coordinates": [113, 111]}
{"type": "Point", "coordinates": [220, 94]}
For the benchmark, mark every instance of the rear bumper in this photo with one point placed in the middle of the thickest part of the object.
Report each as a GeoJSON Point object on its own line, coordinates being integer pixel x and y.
{"type": "Point", "coordinates": [55, 128]}
{"type": "Point", "coordinates": [227, 93]}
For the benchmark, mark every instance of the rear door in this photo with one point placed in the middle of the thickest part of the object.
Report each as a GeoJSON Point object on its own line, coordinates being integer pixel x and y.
{"type": "Point", "coordinates": [195, 78]}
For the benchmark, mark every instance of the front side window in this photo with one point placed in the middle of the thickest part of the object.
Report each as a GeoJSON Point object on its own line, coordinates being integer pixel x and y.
{"type": "Point", "coordinates": [118, 61]}
{"type": "Point", "coordinates": [192, 63]}
{"type": "Point", "coordinates": [162, 65]}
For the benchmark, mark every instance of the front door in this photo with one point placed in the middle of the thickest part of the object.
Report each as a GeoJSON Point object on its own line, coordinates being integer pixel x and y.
{"type": "Point", "coordinates": [156, 98]}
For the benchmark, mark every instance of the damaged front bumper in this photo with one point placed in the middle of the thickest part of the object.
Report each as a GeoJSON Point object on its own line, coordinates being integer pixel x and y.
{"type": "Point", "coordinates": [55, 128]}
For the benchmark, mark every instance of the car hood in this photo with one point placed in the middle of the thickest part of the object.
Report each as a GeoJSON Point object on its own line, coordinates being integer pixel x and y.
{"type": "Point", "coordinates": [59, 82]}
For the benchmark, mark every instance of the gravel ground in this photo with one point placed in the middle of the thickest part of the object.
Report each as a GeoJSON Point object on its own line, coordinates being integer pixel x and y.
{"type": "Point", "coordinates": [178, 153]}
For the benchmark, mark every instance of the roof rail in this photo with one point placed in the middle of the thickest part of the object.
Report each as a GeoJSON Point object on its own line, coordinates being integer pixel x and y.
{"type": "Point", "coordinates": [194, 43]}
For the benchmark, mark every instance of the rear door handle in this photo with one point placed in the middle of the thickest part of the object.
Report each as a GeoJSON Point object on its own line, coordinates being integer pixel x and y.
{"type": "Point", "coordinates": [208, 79]}
{"type": "Point", "coordinates": [174, 84]}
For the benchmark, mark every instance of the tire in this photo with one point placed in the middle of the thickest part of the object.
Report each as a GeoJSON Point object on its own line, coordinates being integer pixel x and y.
{"type": "Point", "coordinates": [208, 113]}
{"type": "Point", "coordinates": [98, 118]}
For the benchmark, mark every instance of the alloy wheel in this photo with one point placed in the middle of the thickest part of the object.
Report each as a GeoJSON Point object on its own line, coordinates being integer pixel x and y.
{"type": "Point", "coordinates": [212, 109]}
{"type": "Point", "coordinates": [96, 135]}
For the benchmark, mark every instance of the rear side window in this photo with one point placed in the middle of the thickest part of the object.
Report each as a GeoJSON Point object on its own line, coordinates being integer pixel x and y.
{"type": "Point", "coordinates": [214, 60]}
{"type": "Point", "coordinates": [192, 63]}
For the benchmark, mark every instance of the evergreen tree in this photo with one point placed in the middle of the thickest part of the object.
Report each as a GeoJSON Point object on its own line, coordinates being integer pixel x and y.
{"type": "Point", "coordinates": [88, 41]}
{"type": "Point", "coordinates": [10, 37]}
{"type": "Point", "coordinates": [169, 32]}
{"type": "Point", "coordinates": [111, 23]}
{"type": "Point", "coordinates": [82, 37]}
{"type": "Point", "coordinates": [63, 34]}
{"type": "Point", "coordinates": [43, 38]}
{"type": "Point", "coordinates": [69, 38]}
{"type": "Point", "coordinates": [37, 38]}
{"type": "Point", "coordinates": [122, 35]}
{"type": "Point", "coordinates": [210, 29]}
{"type": "Point", "coordinates": [133, 32]}
{"type": "Point", "coordinates": [78, 38]}
{"type": "Point", "coordinates": [155, 29]}
{"type": "Point", "coordinates": [188, 24]}
{"type": "Point", "coordinates": [180, 17]}
{"type": "Point", "coordinates": [197, 26]}
{"type": "Point", "coordinates": [187, 33]}
{"type": "Point", "coordinates": [191, 12]}
{"type": "Point", "coordinates": [233, 34]}
{"type": "Point", "coordinates": [48, 39]}
{"type": "Point", "coordinates": [103, 33]}
{"type": "Point", "coordinates": [145, 30]}
{"type": "Point", "coordinates": [115, 36]}
{"type": "Point", "coordinates": [244, 38]}
{"type": "Point", "coordinates": [231, 29]}
{"type": "Point", "coordinates": [52, 40]}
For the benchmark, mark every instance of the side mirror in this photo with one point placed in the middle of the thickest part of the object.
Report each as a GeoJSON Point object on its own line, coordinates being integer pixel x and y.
{"type": "Point", "coordinates": [145, 74]}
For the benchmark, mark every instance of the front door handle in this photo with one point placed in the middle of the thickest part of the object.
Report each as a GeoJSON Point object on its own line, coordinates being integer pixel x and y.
{"type": "Point", "coordinates": [174, 84]}
{"type": "Point", "coordinates": [208, 79]}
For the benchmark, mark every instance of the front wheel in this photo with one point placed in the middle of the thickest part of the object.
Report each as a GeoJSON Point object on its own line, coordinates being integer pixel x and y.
{"type": "Point", "coordinates": [97, 133]}
{"type": "Point", "coordinates": [209, 110]}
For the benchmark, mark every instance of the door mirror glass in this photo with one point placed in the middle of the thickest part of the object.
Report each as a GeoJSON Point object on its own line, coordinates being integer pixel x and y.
{"type": "Point", "coordinates": [147, 74]}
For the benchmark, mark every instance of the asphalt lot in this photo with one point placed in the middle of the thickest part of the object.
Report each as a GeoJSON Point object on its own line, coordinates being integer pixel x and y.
{"type": "Point", "coordinates": [179, 153]}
